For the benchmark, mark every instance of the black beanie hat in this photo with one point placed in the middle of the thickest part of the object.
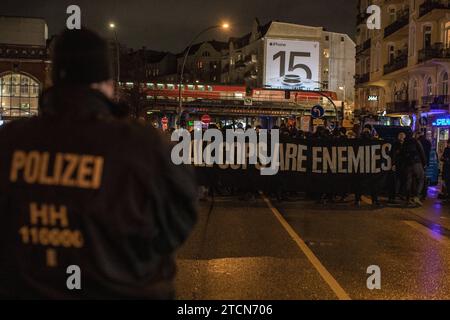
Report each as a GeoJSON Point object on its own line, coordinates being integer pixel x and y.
{"type": "Point", "coordinates": [80, 57]}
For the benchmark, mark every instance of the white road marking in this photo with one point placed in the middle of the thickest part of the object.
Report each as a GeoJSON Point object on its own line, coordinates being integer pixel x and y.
{"type": "Point", "coordinates": [324, 273]}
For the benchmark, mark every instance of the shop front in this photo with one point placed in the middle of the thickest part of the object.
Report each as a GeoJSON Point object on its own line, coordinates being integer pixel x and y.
{"type": "Point", "coordinates": [441, 132]}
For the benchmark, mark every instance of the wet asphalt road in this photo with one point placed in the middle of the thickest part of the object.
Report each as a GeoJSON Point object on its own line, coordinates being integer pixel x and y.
{"type": "Point", "coordinates": [241, 250]}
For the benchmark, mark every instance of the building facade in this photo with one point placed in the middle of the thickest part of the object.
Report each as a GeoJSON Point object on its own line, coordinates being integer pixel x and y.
{"type": "Point", "coordinates": [244, 61]}
{"type": "Point", "coordinates": [24, 65]}
{"type": "Point", "coordinates": [146, 65]}
{"type": "Point", "coordinates": [203, 63]}
{"type": "Point", "coordinates": [404, 67]}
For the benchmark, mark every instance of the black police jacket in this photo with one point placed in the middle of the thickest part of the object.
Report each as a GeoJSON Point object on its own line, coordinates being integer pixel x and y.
{"type": "Point", "coordinates": [90, 206]}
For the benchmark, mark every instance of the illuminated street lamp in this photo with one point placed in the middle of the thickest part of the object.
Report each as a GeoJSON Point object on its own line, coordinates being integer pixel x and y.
{"type": "Point", "coordinates": [223, 26]}
{"type": "Point", "coordinates": [112, 26]}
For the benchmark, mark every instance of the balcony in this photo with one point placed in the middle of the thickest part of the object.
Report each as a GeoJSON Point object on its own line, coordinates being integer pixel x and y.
{"type": "Point", "coordinates": [362, 78]}
{"type": "Point", "coordinates": [400, 62]}
{"type": "Point", "coordinates": [402, 21]}
{"type": "Point", "coordinates": [430, 5]}
{"type": "Point", "coordinates": [400, 106]}
{"type": "Point", "coordinates": [363, 47]}
{"type": "Point", "coordinates": [436, 51]}
{"type": "Point", "coordinates": [440, 102]}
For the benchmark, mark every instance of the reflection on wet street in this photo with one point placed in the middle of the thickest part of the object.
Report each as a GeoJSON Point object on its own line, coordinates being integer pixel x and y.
{"type": "Point", "coordinates": [301, 250]}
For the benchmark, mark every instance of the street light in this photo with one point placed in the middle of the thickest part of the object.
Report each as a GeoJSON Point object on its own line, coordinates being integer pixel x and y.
{"type": "Point", "coordinates": [223, 26]}
{"type": "Point", "coordinates": [112, 26]}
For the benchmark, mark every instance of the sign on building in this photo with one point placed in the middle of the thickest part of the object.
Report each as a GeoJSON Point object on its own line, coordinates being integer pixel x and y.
{"type": "Point", "coordinates": [292, 64]}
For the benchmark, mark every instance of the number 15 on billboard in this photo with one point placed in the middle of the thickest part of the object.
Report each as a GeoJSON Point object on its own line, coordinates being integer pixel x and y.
{"type": "Point", "coordinates": [292, 64]}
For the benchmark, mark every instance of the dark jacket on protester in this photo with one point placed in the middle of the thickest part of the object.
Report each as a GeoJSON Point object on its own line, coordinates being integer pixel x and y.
{"type": "Point", "coordinates": [426, 145]}
{"type": "Point", "coordinates": [408, 153]}
{"type": "Point", "coordinates": [122, 234]}
{"type": "Point", "coordinates": [446, 164]}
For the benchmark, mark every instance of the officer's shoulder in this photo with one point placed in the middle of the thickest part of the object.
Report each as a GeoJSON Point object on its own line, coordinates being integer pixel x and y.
{"type": "Point", "coordinates": [137, 135]}
{"type": "Point", "coordinates": [10, 128]}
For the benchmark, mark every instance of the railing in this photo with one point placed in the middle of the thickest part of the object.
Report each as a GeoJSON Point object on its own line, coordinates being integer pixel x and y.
{"type": "Point", "coordinates": [439, 102]}
{"type": "Point", "coordinates": [401, 21]}
{"type": "Point", "coordinates": [400, 62]}
{"type": "Point", "coordinates": [436, 51]}
{"type": "Point", "coordinates": [362, 78]}
{"type": "Point", "coordinates": [399, 106]}
{"type": "Point", "coordinates": [363, 47]}
{"type": "Point", "coordinates": [430, 5]}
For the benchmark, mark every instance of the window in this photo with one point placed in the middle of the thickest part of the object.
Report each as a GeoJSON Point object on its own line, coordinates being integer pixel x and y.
{"type": "Point", "coordinates": [427, 36]}
{"type": "Point", "coordinates": [19, 95]}
{"type": "Point", "coordinates": [444, 88]}
{"type": "Point", "coordinates": [391, 52]}
{"type": "Point", "coordinates": [447, 35]}
{"type": "Point", "coordinates": [378, 57]}
{"type": "Point", "coordinates": [429, 87]}
{"type": "Point", "coordinates": [206, 54]}
{"type": "Point", "coordinates": [392, 15]}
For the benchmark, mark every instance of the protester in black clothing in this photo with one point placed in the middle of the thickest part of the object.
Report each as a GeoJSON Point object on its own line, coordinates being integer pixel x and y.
{"type": "Point", "coordinates": [427, 146]}
{"type": "Point", "coordinates": [409, 158]}
{"type": "Point", "coordinates": [101, 193]}
{"type": "Point", "coordinates": [367, 136]}
{"type": "Point", "coordinates": [446, 168]}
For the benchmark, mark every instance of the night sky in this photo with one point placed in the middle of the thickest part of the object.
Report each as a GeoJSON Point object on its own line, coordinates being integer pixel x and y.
{"type": "Point", "coordinates": [168, 25]}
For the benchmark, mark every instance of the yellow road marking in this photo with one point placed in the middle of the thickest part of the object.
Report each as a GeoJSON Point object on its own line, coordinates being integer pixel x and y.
{"type": "Point", "coordinates": [326, 276]}
{"type": "Point", "coordinates": [428, 232]}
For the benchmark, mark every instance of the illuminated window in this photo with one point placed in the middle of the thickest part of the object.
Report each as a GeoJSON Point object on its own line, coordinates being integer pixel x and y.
{"type": "Point", "coordinates": [392, 15]}
{"type": "Point", "coordinates": [19, 95]}
{"type": "Point", "coordinates": [447, 35]}
{"type": "Point", "coordinates": [427, 36]}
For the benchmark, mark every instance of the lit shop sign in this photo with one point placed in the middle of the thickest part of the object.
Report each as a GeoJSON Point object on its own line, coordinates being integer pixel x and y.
{"type": "Point", "coordinates": [292, 64]}
{"type": "Point", "coordinates": [372, 98]}
{"type": "Point", "coordinates": [444, 122]}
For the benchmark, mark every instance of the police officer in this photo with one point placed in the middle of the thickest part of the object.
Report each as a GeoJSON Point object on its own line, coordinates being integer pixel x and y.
{"type": "Point", "coordinates": [91, 206]}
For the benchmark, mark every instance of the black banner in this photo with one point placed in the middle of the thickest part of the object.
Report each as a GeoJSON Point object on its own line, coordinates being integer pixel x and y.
{"type": "Point", "coordinates": [330, 166]}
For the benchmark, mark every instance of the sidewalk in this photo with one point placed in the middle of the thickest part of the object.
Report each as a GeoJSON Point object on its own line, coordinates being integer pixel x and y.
{"type": "Point", "coordinates": [434, 209]}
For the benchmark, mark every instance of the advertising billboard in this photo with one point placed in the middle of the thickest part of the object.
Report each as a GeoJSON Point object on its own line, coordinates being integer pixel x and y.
{"type": "Point", "coordinates": [292, 64]}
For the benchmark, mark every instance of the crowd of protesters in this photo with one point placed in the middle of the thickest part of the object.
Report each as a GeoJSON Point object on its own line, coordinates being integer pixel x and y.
{"type": "Point", "coordinates": [410, 154]}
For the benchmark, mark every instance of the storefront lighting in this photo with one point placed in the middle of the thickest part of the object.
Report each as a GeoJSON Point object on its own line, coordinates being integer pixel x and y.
{"type": "Point", "coordinates": [443, 122]}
